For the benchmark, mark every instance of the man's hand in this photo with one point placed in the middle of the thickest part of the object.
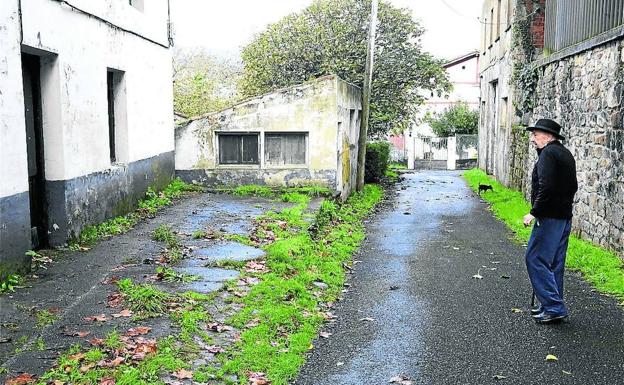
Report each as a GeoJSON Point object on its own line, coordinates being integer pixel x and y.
{"type": "Point", "coordinates": [528, 219]}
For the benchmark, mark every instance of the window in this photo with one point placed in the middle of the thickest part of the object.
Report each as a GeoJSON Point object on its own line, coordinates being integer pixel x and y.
{"type": "Point", "coordinates": [238, 149]}
{"type": "Point", "coordinates": [491, 26]}
{"type": "Point", "coordinates": [117, 121]}
{"type": "Point", "coordinates": [138, 4]}
{"type": "Point", "coordinates": [498, 18]}
{"type": "Point", "coordinates": [284, 149]}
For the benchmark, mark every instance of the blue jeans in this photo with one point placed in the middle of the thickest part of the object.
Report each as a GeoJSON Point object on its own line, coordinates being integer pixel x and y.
{"type": "Point", "coordinates": [545, 261]}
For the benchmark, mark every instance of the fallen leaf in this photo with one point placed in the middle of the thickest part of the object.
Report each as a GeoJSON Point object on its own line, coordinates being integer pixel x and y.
{"type": "Point", "coordinates": [551, 357]}
{"type": "Point", "coordinates": [367, 319]}
{"type": "Point", "coordinates": [339, 363]}
{"type": "Point", "coordinates": [96, 341]}
{"type": "Point", "coordinates": [76, 333]}
{"type": "Point", "coordinates": [400, 379]}
{"type": "Point", "coordinates": [123, 313]}
{"type": "Point", "coordinates": [219, 328]}
{"type": "Point", "coordinates": [516, 310]}
{"type": "Point", "coordinates": [258, 378]}
{"type": "Point", "coordinates": [253, 323]}
{"type": "Point", "coordinates": [99, 318]}
{"type": "Point", "coordinates": [86, 367]}
{"type": "Point", "coordinates": [58, 382]}
{"type": "Point", "coordinates": [22, 379]}
{"type": "Point", "coordinates": [107, 381]}
{"type": "Point", "coordinates": [54, 310]}
{"type": "Point", "coordinates": [498, 377]}
{"type": "Point", "coordinates": [137, 331]}
{"type": "Point", "coordinates": [325, 334]}
{"type": "Point", "coordinates": [77, 356]}
{"type": "Point", "coordinates": [182, 374]}
{"type": "Point", "coordinates": [566, 372]}
{"type": "Point", "coordinates": [114, 299]}
{"type": "Point", "coordinates": [111, 280]}
{"type": "Point", "coordinates": [477, 276]}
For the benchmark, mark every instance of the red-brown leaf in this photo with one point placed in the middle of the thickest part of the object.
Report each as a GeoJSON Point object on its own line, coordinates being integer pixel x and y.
{"type": "Point", "coordinates": [107, 381]}
{"type": "Point", "coordinates": [22, 379]}
{"type": "Point", "coordinates": [99, 318]}
{"type": "Point", "coordinates": [183, 373]}
{"type": "Point", "coordinates": [123, 313]}
{"type": "Point", "coordinates": [137, 331]}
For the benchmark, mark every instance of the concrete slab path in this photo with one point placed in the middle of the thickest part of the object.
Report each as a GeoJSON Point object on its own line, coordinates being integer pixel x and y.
{"type": "Point", "coordinates": [414, 308]}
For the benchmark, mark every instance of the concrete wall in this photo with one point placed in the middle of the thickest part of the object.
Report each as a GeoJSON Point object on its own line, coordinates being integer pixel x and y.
{"type": "Point", "coordinates": [326, 109]}
{"type": "Point", "coordinates": [496, 110]}
{"type": "Point", "coordinates": [77, 46]}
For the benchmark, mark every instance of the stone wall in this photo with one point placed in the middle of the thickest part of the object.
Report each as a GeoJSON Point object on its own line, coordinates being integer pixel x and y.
{"type": "Point", "coordinates": [584, 94]}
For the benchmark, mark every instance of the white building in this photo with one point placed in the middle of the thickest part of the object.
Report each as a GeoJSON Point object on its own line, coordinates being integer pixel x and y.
{"type": "Point", "coordinates": [420, 141]}
{"type": "Point", "coordinates": [85, 116]}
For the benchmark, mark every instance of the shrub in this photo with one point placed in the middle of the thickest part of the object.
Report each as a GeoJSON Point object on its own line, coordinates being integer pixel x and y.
{"type": "Point", "coordinates": [377, 156]}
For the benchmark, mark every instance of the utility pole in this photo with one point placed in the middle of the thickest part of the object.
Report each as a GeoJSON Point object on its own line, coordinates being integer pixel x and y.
{"type": "Point", "coordinates": [366, 92]}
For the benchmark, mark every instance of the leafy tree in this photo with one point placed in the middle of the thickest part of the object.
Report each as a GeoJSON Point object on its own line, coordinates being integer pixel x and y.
{"type": "Point", "coordinates": [203, 83]}
{"type": "Point", "coordinates": [329, 37]}
{"type": "Point", "coordinates": [457, 119]}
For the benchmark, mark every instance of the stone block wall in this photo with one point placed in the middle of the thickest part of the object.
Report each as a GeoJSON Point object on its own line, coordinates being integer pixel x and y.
{"type": "Point", "coordinates": [583, 93]}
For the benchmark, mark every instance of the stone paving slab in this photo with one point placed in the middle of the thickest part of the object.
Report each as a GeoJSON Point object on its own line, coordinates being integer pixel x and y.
{"type": "Point", "coordinates": [76, 286]}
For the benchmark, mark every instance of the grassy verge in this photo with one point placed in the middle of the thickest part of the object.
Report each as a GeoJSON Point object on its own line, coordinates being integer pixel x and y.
{"type": "Point", "coordinates": [282, 193]}
{"type": "Point", "coordinates": [278, 314]}
{"type": "Point", "coordinates": [147, 207]}
{"type": "Point", "coordinates": [306, 271]}
{"type": "Point", "coordinates": [602, 268]}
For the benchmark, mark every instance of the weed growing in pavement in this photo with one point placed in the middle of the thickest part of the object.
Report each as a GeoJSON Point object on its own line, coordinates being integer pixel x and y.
{"type": "Point", "coordinates": [163, 233]}
{"type": "Point", "coordinates": [10, 282]}
{"type": "Point", "coordinates": [167, 274]}
{"type": "Point", "coordinates": [199, 234]}
{"type": "Point", "coordinates": [113, 340]}
{"type": "Point", "coordinates": [284, 308]}
{"type": "Point", "coordinates": [148, 206]}
{"type": "Point", "coordinates": [254, 190]}
{"type": "Point", "coordinates": [281, 192]}
{"type": "Point", "coordinates": [295, 197]}
{"type": "Point", "coordinates": [45, 318]}
{"type": "Point", "coordinates": [145, 300]}
{"type": "Point", "coordinates": [600, 267]}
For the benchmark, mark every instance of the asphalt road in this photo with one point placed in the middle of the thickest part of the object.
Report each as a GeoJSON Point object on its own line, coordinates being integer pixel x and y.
{"type": "Point", "coordinates": [414, 308]}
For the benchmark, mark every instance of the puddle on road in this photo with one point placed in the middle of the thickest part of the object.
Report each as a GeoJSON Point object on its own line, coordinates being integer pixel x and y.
{"type": "Point", "coordinates": [211, 279]}
{"type": "Point", "coordinates": [230, 251]}
{"type": "Point", "coordinates": [232, 217]}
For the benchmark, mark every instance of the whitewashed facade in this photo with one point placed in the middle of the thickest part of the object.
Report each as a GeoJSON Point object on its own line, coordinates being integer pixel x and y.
{"type": "Point", "coordinates": [85, 116]}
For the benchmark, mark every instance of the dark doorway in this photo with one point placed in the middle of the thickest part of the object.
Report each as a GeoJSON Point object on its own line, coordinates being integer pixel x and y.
{"type": "Point", "coordinates": [31, 69]}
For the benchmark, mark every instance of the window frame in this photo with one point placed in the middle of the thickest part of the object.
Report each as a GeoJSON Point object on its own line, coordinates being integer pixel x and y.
{"type": "Point", "coordinates": [258, 160]}
{"type": "Point", "coordinates": [306, 138]}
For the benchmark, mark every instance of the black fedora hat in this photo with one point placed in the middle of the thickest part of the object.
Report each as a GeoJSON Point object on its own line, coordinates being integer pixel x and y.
{"type": "Point", "coordinates": [547, 125]}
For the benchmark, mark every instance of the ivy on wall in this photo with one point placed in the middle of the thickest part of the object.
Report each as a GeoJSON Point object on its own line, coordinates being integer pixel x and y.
{"type": "Point", "coordinates": [524, 76]}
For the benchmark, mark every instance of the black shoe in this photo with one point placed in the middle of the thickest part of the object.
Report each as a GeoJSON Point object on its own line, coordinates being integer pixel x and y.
{"type": "Point", "coordinates": [547, 318]}
{"type": "Point", "coordinates": [536, 311]}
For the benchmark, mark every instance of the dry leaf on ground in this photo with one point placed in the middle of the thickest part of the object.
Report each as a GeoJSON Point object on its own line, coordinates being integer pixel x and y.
{"type": "Point", "coordinates": [99, 318]}
{"type": "Point", "coordinates": [401, 380]}
{"type": "Point", "coordinates": [22, 379]}
{"type": "Point", "coordinates": [183, 373]}
{"type": "Point", "coordinates": [551, 357]}
{"type": "Point", "coordinates": [123, 313]}
{"type": "Point", "coordinates": [258, 378]}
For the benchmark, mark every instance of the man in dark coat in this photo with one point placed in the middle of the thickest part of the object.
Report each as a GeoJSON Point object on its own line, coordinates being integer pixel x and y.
{"type": "Point", "coordinates": [553, 185]}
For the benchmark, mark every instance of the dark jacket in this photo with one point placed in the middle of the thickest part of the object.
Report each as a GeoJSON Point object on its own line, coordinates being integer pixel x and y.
{"type": "Point", "coordinates": [553, 183]}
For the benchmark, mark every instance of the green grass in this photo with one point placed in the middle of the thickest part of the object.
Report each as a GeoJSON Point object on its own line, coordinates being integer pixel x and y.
{"type": "Point", "coordinates": [170, 275]}
{"type": "Point", "coordinates": [397, 166]}
{"type": "Point", "coordinates": [45, 318]}
{"type": "Point", "coordinates": [602, 268]}
{"type": "Point", "coordinates": [285, 301]}
{"type": "Point", "coordinates": [148, 206]}
{"type": "Point", "coordinates": [145, 300]}
{"type": "Point", "coordinates": [283, 193]}
{"type": "Point", "coordinates": [10, 282]}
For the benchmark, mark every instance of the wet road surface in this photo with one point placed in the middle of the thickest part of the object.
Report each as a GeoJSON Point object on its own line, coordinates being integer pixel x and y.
{"type": "Point", "coordinates": [414, 308]}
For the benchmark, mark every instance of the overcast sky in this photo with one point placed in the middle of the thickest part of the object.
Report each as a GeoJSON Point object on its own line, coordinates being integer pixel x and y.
{"type": "Point", "coordinates": [223, 27]}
